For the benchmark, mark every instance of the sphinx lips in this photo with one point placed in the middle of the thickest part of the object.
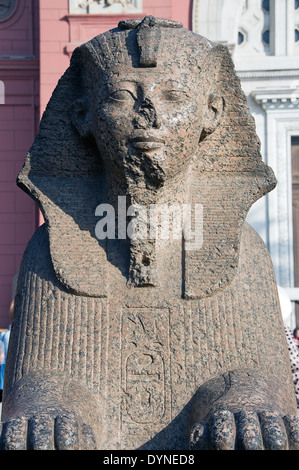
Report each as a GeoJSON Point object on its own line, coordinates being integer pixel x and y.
{"type": "Point", "coordinates": [146, 142]}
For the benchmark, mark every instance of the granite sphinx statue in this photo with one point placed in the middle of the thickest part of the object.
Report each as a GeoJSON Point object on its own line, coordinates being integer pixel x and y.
{"type": "Point", "coordinates": [132, 340]}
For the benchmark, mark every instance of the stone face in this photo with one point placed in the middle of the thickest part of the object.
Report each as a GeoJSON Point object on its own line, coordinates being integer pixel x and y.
{"type": "Point", "coordinates": [138, 340]}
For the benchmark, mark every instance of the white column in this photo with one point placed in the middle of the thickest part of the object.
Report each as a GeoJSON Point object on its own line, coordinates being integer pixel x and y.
{"type": "Point", "coordinates": [282, 112]}
{"type": "Point", "coordinates": [282, 27]}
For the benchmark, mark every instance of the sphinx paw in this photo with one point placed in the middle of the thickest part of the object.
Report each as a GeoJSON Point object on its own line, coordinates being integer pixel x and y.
{"type": "Point", "coordinates": [45, 432]}
{"type": "Point", "coordinates": [224, 430]}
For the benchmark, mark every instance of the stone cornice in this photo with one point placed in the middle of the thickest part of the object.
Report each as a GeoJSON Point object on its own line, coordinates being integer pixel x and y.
{"type": "Point", "coordinates": [287, 98]}
{"type": "Point", "coordinates": [21, 67]}
{"type": "Point", "coordinates": [256, 74]}
{"type": "Point", "coordinates": [268, 63]}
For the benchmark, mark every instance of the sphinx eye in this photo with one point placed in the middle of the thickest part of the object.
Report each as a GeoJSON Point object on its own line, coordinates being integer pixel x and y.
{"type": "Point", "coordinates": [122, 95]}
{"type": "Point", "coordinates": [173, 95]}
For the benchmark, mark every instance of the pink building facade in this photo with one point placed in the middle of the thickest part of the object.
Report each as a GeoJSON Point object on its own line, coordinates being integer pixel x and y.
{"type": "Point", "coordinates": [37, 38]}
{"type": "Point", "coordinates": [19, 117]}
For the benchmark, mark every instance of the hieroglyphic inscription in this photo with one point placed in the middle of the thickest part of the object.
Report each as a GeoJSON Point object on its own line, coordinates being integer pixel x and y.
{"type": "Point", "coordinates": [145, 355]}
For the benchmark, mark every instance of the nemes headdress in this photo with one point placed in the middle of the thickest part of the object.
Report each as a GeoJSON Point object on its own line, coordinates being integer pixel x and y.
{"type": "Point", "coordinates": [63, 171]}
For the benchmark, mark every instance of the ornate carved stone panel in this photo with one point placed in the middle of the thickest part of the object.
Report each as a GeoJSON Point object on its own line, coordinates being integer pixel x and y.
{"type": "Point", "coordinates": [105, 7]}
{"type": "Point", "coordinates": [254, 28]}
{"type": "Point", "coordinates": [218, 21]}
{"type": "Point", "coordinates": [244, 26]}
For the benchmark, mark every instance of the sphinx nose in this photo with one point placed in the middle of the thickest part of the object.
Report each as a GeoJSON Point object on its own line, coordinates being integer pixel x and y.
{"type": "Point", "coordinates": [147, 115]}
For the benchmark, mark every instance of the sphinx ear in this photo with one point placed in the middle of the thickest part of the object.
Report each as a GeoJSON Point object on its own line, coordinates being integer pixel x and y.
{"type": "Point", "coordinates": [81, 116]}
{"type": "Point", "coordinates": [212, 115]}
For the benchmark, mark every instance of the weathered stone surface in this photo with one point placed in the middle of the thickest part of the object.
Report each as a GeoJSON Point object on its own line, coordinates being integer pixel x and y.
{"type": "Point", "coordinates": [147, 342]}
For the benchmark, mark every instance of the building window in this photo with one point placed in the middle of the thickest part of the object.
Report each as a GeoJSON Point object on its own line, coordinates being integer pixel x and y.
{"type": "Point", "coordinates": [266, 5]}
{"type": "Point", "coordinates": [296, 4]}
{"type": "Point", "coordinates": [266, 37]}
{"type": "Point", "coordinates": [295, 142]}
{"type": "Point", "coordinates": [296, 35]}
{"type": "Point", "coordinates": [6, 8]}
{"type": "Point", "coordinates": [241, 38]}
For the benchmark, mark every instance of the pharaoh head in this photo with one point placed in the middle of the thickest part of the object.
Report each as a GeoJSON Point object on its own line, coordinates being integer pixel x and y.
{"type": "Point", "coordinates": [145, 104]}
{"type": "Point", "coordinates": [144, 99]}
